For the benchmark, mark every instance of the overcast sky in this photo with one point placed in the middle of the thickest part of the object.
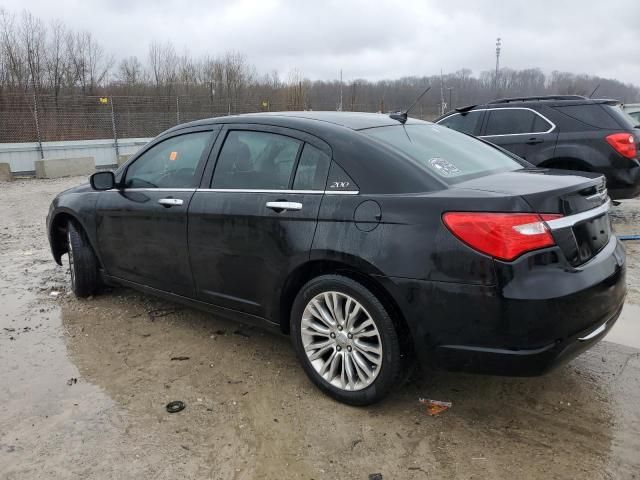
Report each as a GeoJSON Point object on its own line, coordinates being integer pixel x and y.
{"type": "Point", "coordinates": [370, 39]}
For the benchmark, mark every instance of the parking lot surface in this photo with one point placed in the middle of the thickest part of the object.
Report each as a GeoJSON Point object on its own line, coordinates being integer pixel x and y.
{"type": "Point", "coordinates": [84, 384]}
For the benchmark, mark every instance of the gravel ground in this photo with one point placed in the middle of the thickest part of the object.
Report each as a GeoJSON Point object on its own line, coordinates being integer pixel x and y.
{"type": "Point", "coordinates": [85, 382]}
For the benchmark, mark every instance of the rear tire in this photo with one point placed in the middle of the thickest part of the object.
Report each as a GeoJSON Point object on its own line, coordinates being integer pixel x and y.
{"type": "Point", "coordinates": [83, 264]}
{"type": "Point", "coordinates": [345, 340]}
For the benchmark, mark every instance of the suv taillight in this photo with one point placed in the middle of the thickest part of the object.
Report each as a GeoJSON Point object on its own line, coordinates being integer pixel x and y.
{"type": "Point", "coordinates": [504, 236]}
{"type": "Point", "coordinates": [623, 143]}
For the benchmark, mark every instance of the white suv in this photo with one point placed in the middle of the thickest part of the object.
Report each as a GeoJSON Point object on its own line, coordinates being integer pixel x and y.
{"type": "Point", "coordinates": [633, 110]}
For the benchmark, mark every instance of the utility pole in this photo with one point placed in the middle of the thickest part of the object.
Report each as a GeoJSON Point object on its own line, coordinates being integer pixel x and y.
{"type": "Point", "coordinates": [498, 48]}
{"type": "Point", "coordinates": [450, 101]}
{"type": "Point", "coordinates": [442, 103]}
{"type": "Point", "coordinates": [340, 104]}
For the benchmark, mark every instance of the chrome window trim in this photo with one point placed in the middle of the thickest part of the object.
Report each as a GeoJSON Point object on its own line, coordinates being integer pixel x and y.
{"type": "Point", "coordinates": [284, 191]}
{"type": "Point", "coordinates": [553, 125]}
{"type": "Point", "coordinates": [238, 190]}
{"type": "Point", "coordinates": [163, 189]}
{"type": "Point", "coordinates": [571, 220]}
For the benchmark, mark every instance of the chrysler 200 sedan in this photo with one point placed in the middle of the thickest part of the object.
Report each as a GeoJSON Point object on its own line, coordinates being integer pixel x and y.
{"type": "Point", "coordinates": [374, 241]}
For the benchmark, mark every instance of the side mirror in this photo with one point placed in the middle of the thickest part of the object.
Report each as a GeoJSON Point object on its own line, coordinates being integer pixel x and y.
{"type": "Point", "coordinates": [102, 181]}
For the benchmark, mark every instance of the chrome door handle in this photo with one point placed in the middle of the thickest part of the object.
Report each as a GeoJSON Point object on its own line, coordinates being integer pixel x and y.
{"type": "Point", "coordinates": [170, 202]}
{"type": "Point", "coordinates": [280, 206]}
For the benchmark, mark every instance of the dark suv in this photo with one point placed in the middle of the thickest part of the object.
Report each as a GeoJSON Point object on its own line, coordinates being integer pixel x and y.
{"type": "Point", "coordinates": [563, 131]}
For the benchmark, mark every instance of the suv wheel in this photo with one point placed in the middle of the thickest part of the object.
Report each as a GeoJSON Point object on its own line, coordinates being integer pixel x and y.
{"type": "Point", "coordinates": [345, 340]}
{"type": "Point", "coordinates": [82, 262]}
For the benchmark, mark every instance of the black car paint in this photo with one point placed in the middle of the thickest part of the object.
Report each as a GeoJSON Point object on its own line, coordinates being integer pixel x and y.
{"type": "Point", "coordinates": [462, 308]}
{"type": "Point", "coordinates": [571, 142]}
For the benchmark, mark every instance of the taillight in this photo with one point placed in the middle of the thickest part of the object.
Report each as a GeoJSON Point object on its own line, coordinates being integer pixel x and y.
{"type": "Point", "coordinates": [623, 143]}
{"type": "Point", "coordinates": [504, 236]}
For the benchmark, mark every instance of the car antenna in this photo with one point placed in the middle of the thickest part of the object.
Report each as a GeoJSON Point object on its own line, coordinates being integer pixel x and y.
{"type": "Point", "coordinates": [594, 91]}
{"type": "Point", "coordinates": [402, 116]}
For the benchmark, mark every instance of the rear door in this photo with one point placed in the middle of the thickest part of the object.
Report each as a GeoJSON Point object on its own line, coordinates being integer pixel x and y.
{"type": "Point", "coordinates": [142, 226]}
{"type": "Point", "coordinates": [523, 131]}
{"type": "Point", "coordinates": [255, 219]}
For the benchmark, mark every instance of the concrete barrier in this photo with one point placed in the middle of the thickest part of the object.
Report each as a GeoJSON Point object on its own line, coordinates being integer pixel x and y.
{"type": "Point", "coordinates": [5, 172]}
{"type": "Point", "coordinates": [65, 167]}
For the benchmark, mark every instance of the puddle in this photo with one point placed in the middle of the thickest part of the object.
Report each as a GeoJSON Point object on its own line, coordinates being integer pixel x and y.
{"type": "Point", "coordinates": [626, 331]}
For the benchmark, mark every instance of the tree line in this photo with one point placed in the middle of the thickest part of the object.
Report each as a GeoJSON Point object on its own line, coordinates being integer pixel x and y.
{"type": "Point", "coordinates": [48, 58]}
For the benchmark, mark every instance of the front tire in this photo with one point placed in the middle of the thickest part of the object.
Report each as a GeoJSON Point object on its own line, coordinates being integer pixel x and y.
{"type": "Point", "coordinates": [345, 340]}
{"type": "Point", "coordinates": [82, 262]}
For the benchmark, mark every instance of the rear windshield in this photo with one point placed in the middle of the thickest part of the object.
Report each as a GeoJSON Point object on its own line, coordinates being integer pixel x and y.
{"type": "Point", "coordinates": [446, 154]}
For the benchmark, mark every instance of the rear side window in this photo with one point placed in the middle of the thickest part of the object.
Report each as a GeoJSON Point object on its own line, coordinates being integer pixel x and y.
{"type": "Point", "coordinates": [444, 153]}
{"type": "Point", "coordinates": [463, 122]}
{"type": "Point", "coordinates": [513, 121]}
{"type": "Point", "coordinates": [256, 160]}
{"type": "Point", "coordinates": [594, 115]}
{"type": "Point", "coordinates": [312, 169]}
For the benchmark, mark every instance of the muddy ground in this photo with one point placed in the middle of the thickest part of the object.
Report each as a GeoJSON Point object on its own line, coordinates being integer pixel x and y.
{"type": "Point", "coordinates": [84, 383]}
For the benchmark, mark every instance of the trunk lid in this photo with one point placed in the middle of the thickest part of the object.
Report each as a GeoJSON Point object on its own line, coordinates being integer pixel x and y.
{"type": "Point", "coordinates": [563, 192]}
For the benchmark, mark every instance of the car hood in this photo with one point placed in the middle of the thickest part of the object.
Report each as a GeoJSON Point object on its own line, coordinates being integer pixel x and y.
{"type": "Point", "coordinates": [82, 188]}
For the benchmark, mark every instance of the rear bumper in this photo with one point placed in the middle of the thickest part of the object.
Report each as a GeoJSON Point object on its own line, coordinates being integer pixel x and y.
{"type": "Point", "coordinates": [528, 323]}
{"type": "Point", "coordinates": [522, 362]}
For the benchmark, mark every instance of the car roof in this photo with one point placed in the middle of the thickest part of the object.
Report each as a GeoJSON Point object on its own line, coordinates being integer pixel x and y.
{"type": "Point", "coordinates": [314, 121]}
{"type": "Point", "coordinates": [548, 100]}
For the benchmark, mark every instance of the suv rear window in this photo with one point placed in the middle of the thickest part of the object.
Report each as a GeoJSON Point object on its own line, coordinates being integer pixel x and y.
{"type": "Point", "coordinates": [444, 153]}
{"type": "Point", "coordinates": [594, 115]}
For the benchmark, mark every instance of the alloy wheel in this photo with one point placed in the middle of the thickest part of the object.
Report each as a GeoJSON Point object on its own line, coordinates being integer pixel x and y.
{"type": "Point", "coordinates": [341, 341]}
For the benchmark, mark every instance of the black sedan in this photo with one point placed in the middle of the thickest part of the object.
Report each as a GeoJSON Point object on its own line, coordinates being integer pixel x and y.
{"type": "Point", "coordinates": [374, 241]}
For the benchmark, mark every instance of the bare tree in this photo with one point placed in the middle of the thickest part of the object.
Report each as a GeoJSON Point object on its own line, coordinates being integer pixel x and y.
{"type": "Point", "coordinates": [56, 60]}
{"type": "Point", "coordinates": [131, 72]}
{"type": "Point", "coordinates": [163, 66]}
{"type": "Point", "coordinates": [16, 69]}
{"type": "Point", "coordinates": [90, 64]}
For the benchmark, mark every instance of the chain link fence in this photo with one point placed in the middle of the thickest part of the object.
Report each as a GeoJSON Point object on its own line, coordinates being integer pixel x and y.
{"type": "Point", "coordinates": [46, 118]}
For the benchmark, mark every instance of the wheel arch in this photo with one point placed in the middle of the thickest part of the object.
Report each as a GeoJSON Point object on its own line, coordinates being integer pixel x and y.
{"type": "Point", "coordinates": [58, 234]}
{"type": "Point", "coordinates": [314, 268]}
{"type": "Point", "coordinates": [567, 163]}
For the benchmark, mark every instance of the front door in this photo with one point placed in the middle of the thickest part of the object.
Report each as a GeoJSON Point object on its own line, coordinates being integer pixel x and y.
{"type": "Point", "coordinates": [142, 226]}
{"type": "Point", "coordinates": [257, 220]}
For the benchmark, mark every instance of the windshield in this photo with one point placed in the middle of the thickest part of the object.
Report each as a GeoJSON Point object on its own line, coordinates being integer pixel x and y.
{"type": "Point", "coordinates": [623, 118]}
{"type": "Point", "coordinates": [634, 116]}
{"type": "Point", "coordinates": [446, 154]}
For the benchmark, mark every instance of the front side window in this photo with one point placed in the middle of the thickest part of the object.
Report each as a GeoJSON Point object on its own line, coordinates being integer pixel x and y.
{"type": "Point", "coordinates": [463, 122]}
{"type": "Point", "coordinates": [511, 121]}
{"type": "Point", "coordinates": [256, 160]}
{"type": "Point", "coordinates": [444, 153]}
{"type": "Point", "coordinates": [169, 164]}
